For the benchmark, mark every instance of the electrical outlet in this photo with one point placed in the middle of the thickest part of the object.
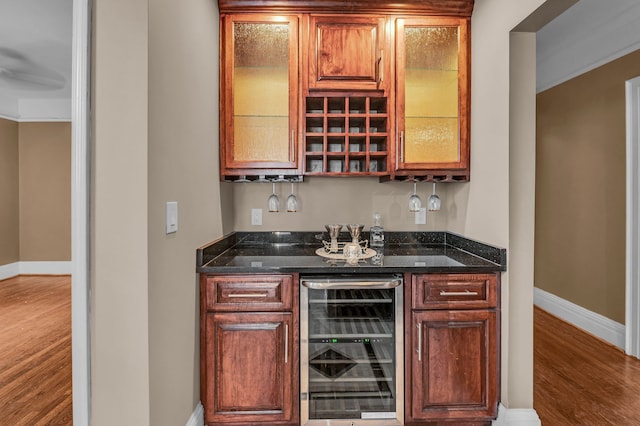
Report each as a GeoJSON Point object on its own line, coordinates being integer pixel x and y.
{"type": "Point", "coordinates": [256, 216]}
{"type": "Point", "coordinates": [421, 216]}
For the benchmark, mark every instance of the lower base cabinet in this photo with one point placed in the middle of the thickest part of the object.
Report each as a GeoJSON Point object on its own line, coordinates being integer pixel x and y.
{"type": "Point", "coordinates": [453, 365]}
{"type": "Point", "coordinates": [249, 350]}
{"type": "Point", "coordinates": [251, 370]}
{"type": "Point", "coordinates": [452, 349]}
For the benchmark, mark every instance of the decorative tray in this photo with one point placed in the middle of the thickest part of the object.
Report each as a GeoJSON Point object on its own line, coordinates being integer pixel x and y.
{"type": "Point", "coordinates": [366, 254]}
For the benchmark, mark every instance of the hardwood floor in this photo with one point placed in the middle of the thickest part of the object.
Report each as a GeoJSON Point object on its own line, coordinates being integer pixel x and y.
{"type": "Point", "coordinates": [35, 351]}
{"type": "Point", "coordinates": [581, 380]}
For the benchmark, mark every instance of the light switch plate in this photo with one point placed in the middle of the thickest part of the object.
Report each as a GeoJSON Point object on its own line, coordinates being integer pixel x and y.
{"type": "Point", "coordinates": [421, 216]}
{"type": "Point", "coordinates": [171, 211]}
{"type": "Point", "coordinates": [256, 216]}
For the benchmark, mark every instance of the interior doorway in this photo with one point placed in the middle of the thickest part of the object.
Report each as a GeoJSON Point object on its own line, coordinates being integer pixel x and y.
{"type": "Point", "coordinates": [632, 319]}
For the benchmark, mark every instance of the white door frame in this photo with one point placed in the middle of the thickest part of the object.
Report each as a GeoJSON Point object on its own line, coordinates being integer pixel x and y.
{"type": "Point", "coordinates": [80, 161]}
{"type": "Point", "coordinates": [632, 317]}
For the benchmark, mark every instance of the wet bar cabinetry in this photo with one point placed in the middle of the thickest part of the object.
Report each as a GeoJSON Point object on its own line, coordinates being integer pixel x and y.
{"type": "Point", "coordinates": [452, 348]}
{"type": "Point", "coordinates": [354, 88]}
{"type": "Point", "coordinates": [249, 349]}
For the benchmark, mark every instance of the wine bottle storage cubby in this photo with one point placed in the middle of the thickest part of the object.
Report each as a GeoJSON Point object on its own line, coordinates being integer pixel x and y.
{"type": "Point", "coordinates": [346, 135]}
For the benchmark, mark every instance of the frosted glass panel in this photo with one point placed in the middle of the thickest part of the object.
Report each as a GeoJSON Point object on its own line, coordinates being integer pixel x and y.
{"type": "Point", "coordinates": [432, 47]}
{"type": "Point", "coordinates": [431, 95]}
{"type": "Point", "coordinates": [259, 138]}
{"type": "Point", "coordinates": [432, 140]}
{"type": "Point", "coordinates": [261, 92]}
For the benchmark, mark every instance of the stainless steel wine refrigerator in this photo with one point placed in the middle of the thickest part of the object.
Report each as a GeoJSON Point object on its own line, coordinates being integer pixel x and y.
{"type": "Point", "coordinates": [351, 351]}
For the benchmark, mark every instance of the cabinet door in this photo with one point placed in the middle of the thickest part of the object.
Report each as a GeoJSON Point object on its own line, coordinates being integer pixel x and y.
{"type": "Point", "coordinates": [432, 72]}
{"type": "Point", "coordinates": [454, 361]}
{"type": "Point", "coordinates": [250, 369]}
{"type": "Point", "coordinates": [346, 52]}
{"type": "Point", "coordinates": [259, 94]}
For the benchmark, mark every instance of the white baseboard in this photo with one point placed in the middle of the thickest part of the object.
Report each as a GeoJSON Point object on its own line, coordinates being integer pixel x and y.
{"type": "Point", "coordinates": [35, 268]}
{"type": "Point", "coordinates": [516, 417]}
{"type": "Point", "coordinates": [197, 417]}
{"type": "Point", "coordinates": [596, 324]}
{"type": "Point", "coordinates": [9, 270]}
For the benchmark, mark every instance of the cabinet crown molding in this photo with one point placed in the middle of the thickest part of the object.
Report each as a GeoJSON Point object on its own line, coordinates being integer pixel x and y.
{"type": "Point", "coordinates": [461, 8]}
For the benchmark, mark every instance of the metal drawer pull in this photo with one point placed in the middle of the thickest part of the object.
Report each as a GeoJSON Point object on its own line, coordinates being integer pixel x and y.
{"type": "Point", "coordinates": [419, 341]}
{"type": "Point", "coordinates": [458, 293]}
{"type": "Point", "coordinates": [286, 343]}
{"type": "Point", "coordinates": [247, 295]}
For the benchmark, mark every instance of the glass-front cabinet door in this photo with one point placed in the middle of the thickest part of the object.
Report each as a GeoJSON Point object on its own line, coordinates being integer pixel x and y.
{"type": "Point", "coordinates": [432, 74]}
{"type": "Point", "coordinates": [259, 94]}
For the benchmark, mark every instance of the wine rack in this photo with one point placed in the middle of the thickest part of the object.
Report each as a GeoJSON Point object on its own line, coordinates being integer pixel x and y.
{"type": "Point", "coordinates": [346, 135]}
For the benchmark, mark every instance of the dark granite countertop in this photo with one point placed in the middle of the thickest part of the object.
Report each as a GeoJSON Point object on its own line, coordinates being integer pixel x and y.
{"type": "Point", "coordinates": [272, 252]}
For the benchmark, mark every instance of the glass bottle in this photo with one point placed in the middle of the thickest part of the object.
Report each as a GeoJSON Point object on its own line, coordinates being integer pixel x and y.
{"type": "Point", "coordinates": [376, 232]}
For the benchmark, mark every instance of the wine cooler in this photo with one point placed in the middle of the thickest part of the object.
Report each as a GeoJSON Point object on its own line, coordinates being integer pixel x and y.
{"type": "Point", "coordinates": [351, 351]}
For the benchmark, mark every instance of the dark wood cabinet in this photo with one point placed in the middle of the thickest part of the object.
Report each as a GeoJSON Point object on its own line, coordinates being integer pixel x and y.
{"type": "Point", "coordinates": [259, 98]}
{"type": "Point", "coordinates": [432, 69]}
{"type": "Point", "coordinates": [452, 353]}
{"type": "Point", "coordinates": [280, 59]}
{"type": "Point", "coordinates": [346, 52]}
{"type": "Point", "coordinates": [249, 350]}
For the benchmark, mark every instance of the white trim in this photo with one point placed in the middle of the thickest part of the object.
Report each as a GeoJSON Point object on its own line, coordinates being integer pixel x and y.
{"type": "Point", "coordinates": [516, 417]}
{"type": "Point", "coordinates": [10, 270]}
{"type": "Point", "coordinates": [589, 34]}
{"type": "Point", "coordinates": [35, 268]}
{"type": "Point", "coordinates": [197, 417]}
{"type": "Point", "coordinates": [35, 119]}
{"type": "Point", "coordinates": [80, 284]}
{"type": "Point", "coordinates": [632, 316]}
{"type": "Point", "coordinates": [596, 324]}
{"type": "Point", "coordinates": [45, 268]}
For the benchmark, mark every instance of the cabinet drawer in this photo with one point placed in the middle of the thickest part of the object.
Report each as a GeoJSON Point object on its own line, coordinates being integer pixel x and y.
{"type": "Point", "coordinates": [454, 291]}
{"type": "Point", "coordinates": [248, 292]}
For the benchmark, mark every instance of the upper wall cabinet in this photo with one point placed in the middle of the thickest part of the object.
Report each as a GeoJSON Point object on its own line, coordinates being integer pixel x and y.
{"type": "Point", "coordinates": [259, 94]}
{"type": "Point", "coordinates": [346, 52]}
{"type": "Point", "coordinates": [345, 88]}
{"type": "Point", "coordinates": [432, 115]}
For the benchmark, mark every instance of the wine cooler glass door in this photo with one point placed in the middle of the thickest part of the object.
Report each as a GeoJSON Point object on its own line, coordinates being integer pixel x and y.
{"type": "Point", "coordinates": [351, 351]}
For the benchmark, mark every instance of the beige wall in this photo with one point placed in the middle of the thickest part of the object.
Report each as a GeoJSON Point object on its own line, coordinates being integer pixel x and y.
{"type": "Point", "coordinates": [580, 192]}
{"type": "Point", "coordinates": [155, 140]}
{"type": "Point", "coordinates": [35, 189]}
{"type": "Point", "coordinates": [183, 167]}
{"type": "Point", "coordinates": [45, 191]}
{"type": "Point", "coordinates": [9, 190]}
{"type": "Point", "coordinates": [120, 260]}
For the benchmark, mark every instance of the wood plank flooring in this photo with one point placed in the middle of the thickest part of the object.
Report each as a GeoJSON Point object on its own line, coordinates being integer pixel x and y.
{"type": "Point", "coordinates": [581, 380]}
{"type": "Point", "coordinates": [35, 351]}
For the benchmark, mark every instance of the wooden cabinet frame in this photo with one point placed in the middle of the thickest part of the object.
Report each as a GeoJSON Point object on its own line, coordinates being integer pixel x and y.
{"type": "Point", "coordinates": [249, 349]}
{"type": "Point", "coordinates": [229, 165]}
{"type": "Point", "coordinates": [451, 171]}
{"type": "Point", "coordinates": [452, 348]}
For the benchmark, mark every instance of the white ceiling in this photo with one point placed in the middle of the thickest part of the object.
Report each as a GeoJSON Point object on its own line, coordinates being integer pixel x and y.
{"type": "Point", "coordinates": [35, 59]}
{"type": "Point", "coordinates": [588, 34]}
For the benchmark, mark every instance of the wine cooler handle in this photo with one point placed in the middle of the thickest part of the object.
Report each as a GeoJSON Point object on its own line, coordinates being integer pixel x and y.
{"type": "Point", "coordinates": [320, 285]}
{"type": "Point", "coordinates": [419, 341]}
{"type": "Point", "coordinates": [286, 343]}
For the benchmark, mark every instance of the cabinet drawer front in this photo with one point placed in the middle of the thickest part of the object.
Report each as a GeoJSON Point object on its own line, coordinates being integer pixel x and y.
{"type": "Point", "coordinates": [249, 293]}
{"type": "Point", "coordinates": [454, 291]}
